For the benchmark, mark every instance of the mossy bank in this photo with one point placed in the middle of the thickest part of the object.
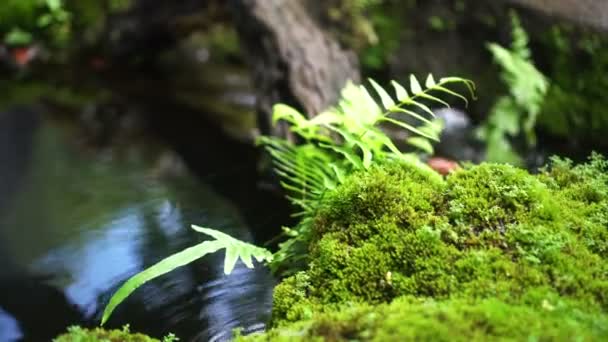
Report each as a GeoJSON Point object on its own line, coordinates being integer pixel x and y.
{"type": "Point", "coordinates": [489, 252]}
{"type": "Point", "coordinates": [78, 334]}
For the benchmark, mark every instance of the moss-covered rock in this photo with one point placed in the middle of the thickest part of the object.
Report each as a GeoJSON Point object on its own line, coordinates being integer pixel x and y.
{"type": "Point", "coordinates": [496, 251]}
{"type": "Point", "coordinates": [78, 334]}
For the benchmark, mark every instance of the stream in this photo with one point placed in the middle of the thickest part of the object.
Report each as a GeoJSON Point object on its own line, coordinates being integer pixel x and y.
{"type": "Point", "coordinates": [76, 222]}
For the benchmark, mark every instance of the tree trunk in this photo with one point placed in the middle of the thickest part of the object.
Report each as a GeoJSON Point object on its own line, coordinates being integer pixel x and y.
{"type": "Point", "coordinates": [293, 59]}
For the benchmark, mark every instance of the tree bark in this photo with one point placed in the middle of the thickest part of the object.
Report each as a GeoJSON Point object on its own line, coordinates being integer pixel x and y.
{"type": "Point", "coordinates": [293, 59]}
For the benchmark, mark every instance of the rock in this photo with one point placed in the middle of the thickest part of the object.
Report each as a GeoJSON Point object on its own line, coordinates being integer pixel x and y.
{"type": "Point", "coordinates": [592, 13]}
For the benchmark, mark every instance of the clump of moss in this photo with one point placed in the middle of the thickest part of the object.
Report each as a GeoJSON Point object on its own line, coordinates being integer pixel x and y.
{"type": "Point", "coordinates": [78, 334]}
{"type": "Point", "coordinates": [583, 190]}
{"type": "Point", "coordinates": [489, 237]}
{"type": "Point", "coordinates": [411, 319]}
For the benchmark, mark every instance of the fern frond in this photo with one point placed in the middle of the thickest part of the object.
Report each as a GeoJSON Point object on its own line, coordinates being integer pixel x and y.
{"type": "Point", "coordinates": [235, 250]}
{"type": "Point", "coordinates": [517, 111]}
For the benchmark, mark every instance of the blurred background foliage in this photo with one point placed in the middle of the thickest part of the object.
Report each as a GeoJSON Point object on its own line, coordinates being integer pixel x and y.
{"type": "Point", "coordinates": [392, 39]}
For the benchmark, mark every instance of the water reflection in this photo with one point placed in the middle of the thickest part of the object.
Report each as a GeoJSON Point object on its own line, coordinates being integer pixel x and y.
{"type": "Point", "coordinates": [9, 329]}
{"type": "Point", "coordinates": [78, 224]}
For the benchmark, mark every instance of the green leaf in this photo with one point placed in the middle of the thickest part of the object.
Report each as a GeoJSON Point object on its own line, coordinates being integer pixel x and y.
{"type": "Point", "coordinates": [235, 249]}
{"type": "Point", "coordinates": [338, 171]}
{"type": "Point", "coordinates": [164, 266]}
{"type": "Point", "coordinates": [415, 85]}
{"type": "Point", "coordinates": [53, 5]}
{"type": "Point", "coordinates": [386, 99]}
{"type": "Point", "coordinates": [453, 93]}
{"type": "Point", "coordinates": [18, 37]}
{"type": "Point", "coordinates": [410, 128]}
{"type": "Point", "coordinates": [433, 98]}
{"type": "Point", "coordinates": [430, 81]}
{"type": "Point", "coordinates": [401, 93]}
{"type": "Point", "coordinates": [468, 83]}
{"type": "Point", "coordinates": [287, 113]}
{"type": "Point", "coordinates": [44, 20]}
{"type": "Point", "coordinates": [244, 250]}
{"type": "Point", "coordinates": [367, 154]}
{"type": "Point", "coordinates": [326, 118]}
{"type": "Point", "coordinates": [354, 159]}
{"type": "Point", "coordinates": [413, 114]}
{"type": "Point", "coordinates": [421, 143]}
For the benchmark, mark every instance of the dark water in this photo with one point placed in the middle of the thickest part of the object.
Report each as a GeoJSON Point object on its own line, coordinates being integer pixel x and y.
{"type": "Point", "coordinates": [76, 222]}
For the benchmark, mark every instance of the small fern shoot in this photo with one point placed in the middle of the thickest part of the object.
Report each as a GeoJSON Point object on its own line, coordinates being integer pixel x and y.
{"type": "Point", "coordinates": [235, 250]}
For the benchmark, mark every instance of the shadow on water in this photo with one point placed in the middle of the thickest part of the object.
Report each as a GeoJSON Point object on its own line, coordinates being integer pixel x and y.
{"type": "Point", "coordinates": [75, 224]}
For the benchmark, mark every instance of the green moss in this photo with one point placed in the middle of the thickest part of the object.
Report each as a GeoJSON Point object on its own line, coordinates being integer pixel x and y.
{"type": "Point", "coordinates": [78, 334]}
{"type": "Point", "coordinates": [411, 319]}
{"type": "Point", "coordinates": [489, 197]}
{"type": "Point", "coordinates": [490, 247]}
{"type": "Point", "coordinates": [291, 301]}
{"type": "Point", "coordinates": [583, 189]}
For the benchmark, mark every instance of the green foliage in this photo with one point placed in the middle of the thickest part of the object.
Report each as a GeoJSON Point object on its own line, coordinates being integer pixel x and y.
{"type": "Point", "coordinates": [90, 16]}
{"type": "Point", "coordinates": [78, 334]}
{"type": "Point", "coordinates": [22, 21]}
{"type": "Point", "coordinates": [489, 241]}
{"type": "Point", "coordinates": [575, 107]}
{"type": "Point", "coordinates": [372, 28]}
{"type": "Point", "coordinates": [17, 36]}
{"type": "Point", "coordinates": [517, 112]}
{"type": "Point", "coordinates": [350, 18]}
{"type": "Point", "coordinates": [54, 22]}
{"type": "Point", "coordinates": [348, 138]}
{"type": "Point", "coordinates": [386, 19]}
{"type": "Point", "coordinates": [235, 249]}
{"type": "Point", "coordinates": [411, 319]}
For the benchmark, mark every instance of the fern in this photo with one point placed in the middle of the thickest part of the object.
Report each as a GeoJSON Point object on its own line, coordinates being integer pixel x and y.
{"type": "Point", "coordinates": [349, 138]}
{"type": "Point", "coordinates": [517, 112]}
{"type": "Point", "coordinates": [235, 250]}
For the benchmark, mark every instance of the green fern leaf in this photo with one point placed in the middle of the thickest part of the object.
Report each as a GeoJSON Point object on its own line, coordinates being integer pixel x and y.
{"type": "Point", "coordinates": [434, 99]}
{"type": "Point", "coordinates": [413, 114]}
{"type": "Point", "coordinates": [415, 86]}
{"type": "Point", "coordinates": [453, 93]}
{"type": "Point", "coordinates": [285, 112]}
{"type": "Point", "coordinates": [401, 93]}
{"type": "Point", "coordinates": [422, 106]}
{"type": "Point", "coordinates": [235, 249]}
{"type": "Point", "coordinates": [421, 143]}
{"type": "Point", "coordinates": [354, 159]}
{"type": "Point", "coordinates": [386, 99]}
{"type": "Point", "coordinates": [468, 83]}
{"type": "Point", "coordinates": [410, 128]}
{"type": "Point", "coordinates": [430, 81]}
{"type": "Point", "coordinates": [339, 172]}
